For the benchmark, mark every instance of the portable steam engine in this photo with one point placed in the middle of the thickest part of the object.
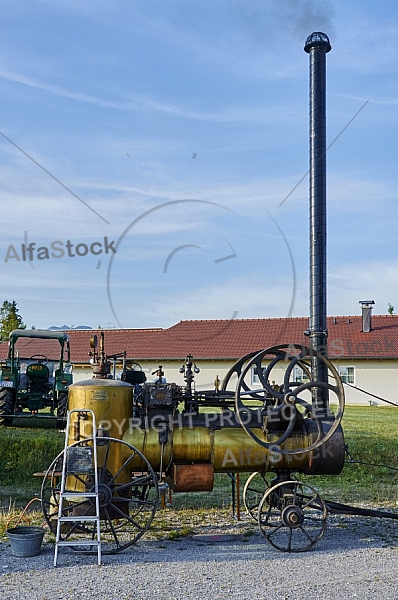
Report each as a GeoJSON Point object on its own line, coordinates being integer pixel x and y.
{"type": "Point", "coordinates": [154, 435]}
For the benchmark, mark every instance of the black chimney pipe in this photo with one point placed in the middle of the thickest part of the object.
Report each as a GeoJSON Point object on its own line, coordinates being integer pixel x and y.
{"type": "Point", "coordinates": [317, 45]}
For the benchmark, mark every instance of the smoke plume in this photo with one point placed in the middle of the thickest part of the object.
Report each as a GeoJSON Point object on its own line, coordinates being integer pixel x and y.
{"type": "Point", "coordinates": [305, 16]}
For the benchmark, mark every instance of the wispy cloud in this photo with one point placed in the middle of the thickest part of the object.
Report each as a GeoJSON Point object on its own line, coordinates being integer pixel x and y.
{"type": "Point", "coordinates": [60, 91]}
{"type": "Point", "coordinates": [347, 190]}
{"type": "Point", "coordinates": [388, 101]}
{"type": "Point", "coordinates": [351, 282]}
{"type": "Point", "coordinates": [231, 114]}
{"type": "Point", "coordinates": [260, 299]}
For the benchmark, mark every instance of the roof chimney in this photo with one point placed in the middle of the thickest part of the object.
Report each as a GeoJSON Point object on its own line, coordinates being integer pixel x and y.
{"type": "Point", "coordinates": [367, 306]}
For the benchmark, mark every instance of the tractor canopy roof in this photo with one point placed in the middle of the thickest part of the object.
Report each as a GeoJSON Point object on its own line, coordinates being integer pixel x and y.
{"type": "Point", "coordinates": [43, 334]}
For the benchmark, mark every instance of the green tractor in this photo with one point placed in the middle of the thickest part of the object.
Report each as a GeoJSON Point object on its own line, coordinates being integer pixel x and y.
{"type": "Point", "coordinates": [29, 385]}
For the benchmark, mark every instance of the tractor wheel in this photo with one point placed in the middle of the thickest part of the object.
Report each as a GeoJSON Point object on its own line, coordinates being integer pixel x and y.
{"type": "Point", "coordinates": [6, 406]}
{"type": "Point", "coordinates": [62, 410]}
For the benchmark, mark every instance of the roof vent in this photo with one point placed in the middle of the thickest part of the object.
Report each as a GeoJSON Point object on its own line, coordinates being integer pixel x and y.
{"type": "Point", "coordinates": [367, 306]}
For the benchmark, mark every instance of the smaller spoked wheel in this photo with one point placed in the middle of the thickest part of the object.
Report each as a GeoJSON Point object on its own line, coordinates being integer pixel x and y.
{"type": "Point", "coordinates": [292, 516]}
{"type": "Point", "coordinates": [253, 492]}
{"type": "Point", "coordinates": [128, 495]}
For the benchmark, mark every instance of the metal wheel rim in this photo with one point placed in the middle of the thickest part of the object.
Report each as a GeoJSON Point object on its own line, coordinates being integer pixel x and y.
{"type": "Point", "coordinates": [119, 528]}
{"type": "Point", "coordinates": [252, 494]}
{"type": "Point", "coordinates": [280, 351]}
{"type": "Point", "coordinates": [292, 538]}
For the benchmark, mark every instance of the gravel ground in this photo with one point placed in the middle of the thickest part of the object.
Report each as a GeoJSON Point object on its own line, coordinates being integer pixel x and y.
{"type": "Point", "coordinates": [357, 558]}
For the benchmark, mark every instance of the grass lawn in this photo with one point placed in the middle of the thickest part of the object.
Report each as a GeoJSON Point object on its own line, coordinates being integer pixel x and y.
{"type": "Point", "coordinates": [371, 436]}
{"type": "Point", "coordinates": [370, 433]}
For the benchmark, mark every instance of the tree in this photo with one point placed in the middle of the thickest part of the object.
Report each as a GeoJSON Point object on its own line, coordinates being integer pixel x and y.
{"type": "Point", "coordinates": [10, 319]}
{"type": "Point", "coordinates": [390, 309]}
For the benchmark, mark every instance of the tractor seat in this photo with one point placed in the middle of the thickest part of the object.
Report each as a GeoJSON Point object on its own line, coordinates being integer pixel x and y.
{"type": "Point", "coordinates": [38, 375]}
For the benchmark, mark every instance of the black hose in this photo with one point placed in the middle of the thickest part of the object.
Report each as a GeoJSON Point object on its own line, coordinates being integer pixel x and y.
{"type": "Point", "coordinates": [360, 462]}
{"type": "Point", "coordinates": [337, 507]}
{"type": "Point", "coordinates": [369, 394]}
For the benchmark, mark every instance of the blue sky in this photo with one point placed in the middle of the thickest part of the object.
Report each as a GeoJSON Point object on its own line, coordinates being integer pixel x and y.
{"type": "Point", "coordinates": [183, 125]}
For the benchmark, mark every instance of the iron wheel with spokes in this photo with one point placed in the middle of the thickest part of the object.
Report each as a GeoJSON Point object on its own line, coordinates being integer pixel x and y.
{"type": "Point", "coordinates": [292, 516]}
{"type": "Point", "coordinates": [128, 496]}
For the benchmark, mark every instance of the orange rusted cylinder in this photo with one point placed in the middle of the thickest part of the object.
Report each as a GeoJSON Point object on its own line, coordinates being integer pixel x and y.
{"type": "Point", "coordinates": [191, 478]}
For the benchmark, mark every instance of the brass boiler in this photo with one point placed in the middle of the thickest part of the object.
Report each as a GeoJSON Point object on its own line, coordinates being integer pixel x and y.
{"type": "Point", "coordinates": [192, 454]}
{"type": "Point", "coordinates": [112, 403]}
{"type": "Point", "coordinates": [110, 400]}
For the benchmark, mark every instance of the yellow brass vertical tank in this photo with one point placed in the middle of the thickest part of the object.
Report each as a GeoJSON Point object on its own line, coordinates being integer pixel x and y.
{"type": "Point", "coordinates": [112, 403]}
{"type": "Point", "coordinates": [110, 400]}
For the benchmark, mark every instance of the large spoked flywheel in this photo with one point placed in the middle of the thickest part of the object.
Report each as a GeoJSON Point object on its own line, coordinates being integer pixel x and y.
{"type": "Point", "coordinates": [128, 496]}
{"type": "Point", "coordinates": [275, 390]}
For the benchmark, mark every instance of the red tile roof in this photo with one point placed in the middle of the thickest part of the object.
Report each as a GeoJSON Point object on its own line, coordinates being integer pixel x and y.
{"type": "Point", "coordinates": [28, 347]}
{"type": "Point", "coordinates": [231, 339]}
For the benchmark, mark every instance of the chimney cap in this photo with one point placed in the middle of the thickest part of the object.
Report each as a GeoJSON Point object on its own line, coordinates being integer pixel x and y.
{"type": "Point", "coordinates": [365, 302]}
{"type": "Point", "coordinates": [317, 40]}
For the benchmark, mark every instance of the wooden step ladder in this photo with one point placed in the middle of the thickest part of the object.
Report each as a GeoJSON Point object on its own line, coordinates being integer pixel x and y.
{"type": "Point", "coordinates": [81, 461]}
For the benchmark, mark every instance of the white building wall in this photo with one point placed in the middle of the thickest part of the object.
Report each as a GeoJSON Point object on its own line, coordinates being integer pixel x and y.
{"type": "Point", "coordinates": [379, 377]}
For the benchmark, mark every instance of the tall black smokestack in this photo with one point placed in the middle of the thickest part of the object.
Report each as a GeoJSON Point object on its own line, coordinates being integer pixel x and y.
{"type": "Point", "coordinates": [317, 45]}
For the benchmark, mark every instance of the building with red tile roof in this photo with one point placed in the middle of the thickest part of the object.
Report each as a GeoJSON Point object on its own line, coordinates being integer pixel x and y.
{"type": "Point", "coordinates": [367, 360]}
